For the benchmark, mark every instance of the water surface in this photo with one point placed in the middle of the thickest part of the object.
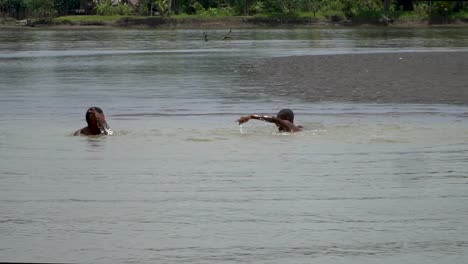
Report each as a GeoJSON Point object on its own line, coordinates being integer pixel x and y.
{"type": "Point", "coordinates": [365, 182]}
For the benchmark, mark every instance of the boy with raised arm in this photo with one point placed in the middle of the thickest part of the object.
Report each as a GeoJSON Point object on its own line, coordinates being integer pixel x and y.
{"type": "Point", "coordinates": [284, 120]}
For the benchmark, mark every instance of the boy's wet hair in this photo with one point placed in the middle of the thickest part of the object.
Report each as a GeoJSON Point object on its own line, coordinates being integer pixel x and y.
{"type": "Point", "coordinates": [286, 114]}
{"type": "Point", "coordinates": [97, 109]}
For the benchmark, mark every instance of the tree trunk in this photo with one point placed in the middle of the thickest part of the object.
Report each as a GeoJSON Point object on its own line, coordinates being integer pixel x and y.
{"type": "Point", "coordinates": [387, 4]}
{"type": "Point", "coordinates": [65, 8]}
{"type": "Point", "coordinates": [407, 5]}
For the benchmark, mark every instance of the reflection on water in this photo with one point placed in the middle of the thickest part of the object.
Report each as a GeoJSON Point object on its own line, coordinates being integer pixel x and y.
{"type": "Point", "coordinates": [179, 182]}
{"type": "Point", "coordinates": [95, 142]}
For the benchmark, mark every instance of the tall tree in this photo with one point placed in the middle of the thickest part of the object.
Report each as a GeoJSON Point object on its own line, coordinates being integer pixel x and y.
{"type": "Point", "coordinates": [406, 5]}
{"type": "Point", "coordinates": [63, 6]}
{"type": "Point", "coordinates": [13, 8]}
{"type": "Point", "coordinates": [386, 4]}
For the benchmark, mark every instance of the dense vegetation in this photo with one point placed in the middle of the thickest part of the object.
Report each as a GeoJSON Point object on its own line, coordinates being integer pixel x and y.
{"type": "Point", "coordinates": [336, 10]}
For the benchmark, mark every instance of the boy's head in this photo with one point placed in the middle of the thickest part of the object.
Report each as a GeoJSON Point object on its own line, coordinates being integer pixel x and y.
{"type": "Point", "coordinates": [286, 114]}
{"type": "Point", "coordinates": [93, 113]}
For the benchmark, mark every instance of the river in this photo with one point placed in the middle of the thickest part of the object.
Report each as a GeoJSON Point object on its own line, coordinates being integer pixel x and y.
{"type": "Point", "coordinates": [181, 182]}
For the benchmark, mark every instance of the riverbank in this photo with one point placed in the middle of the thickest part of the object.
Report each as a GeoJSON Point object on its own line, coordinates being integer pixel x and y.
{"type": "Point", "coordinates": [216, 22]}
{"type": "Point", "coordinates": [165, 22]}
{"type": "Point", "coordinates": [413, 77]}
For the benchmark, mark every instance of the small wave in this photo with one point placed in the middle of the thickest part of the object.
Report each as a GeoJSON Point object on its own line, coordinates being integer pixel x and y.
{"type": "Point", "coordinates": [158, 114]}
{"type": "Point", "coordinates": [75, 53]}
{"type": "Point", "coordinates": [271, 254]}
{"type": "Point", "coordinates": [387, 140]}
{"type": "Point", "coordinates": [13, 173]}
{"type": "Point", "coordinates": [199, 139]}
{"type": "Point", "coordinates": [97, 137]}
{"type": "Point", "coordinates": [16, 221]}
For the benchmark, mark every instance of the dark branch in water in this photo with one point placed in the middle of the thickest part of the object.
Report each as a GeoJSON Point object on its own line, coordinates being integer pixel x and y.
{"type": "Point", "coordinates": [228, 35]}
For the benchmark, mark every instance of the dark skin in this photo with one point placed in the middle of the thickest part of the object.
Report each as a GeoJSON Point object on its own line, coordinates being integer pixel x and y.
{"type": "Point", "coordinates": [97, 123]}
{"type": "Point", "coordinates": [283, 124]}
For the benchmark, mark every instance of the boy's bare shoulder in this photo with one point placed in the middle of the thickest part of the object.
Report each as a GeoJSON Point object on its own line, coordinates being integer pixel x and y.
{"type": "Point", "coordinates": [84, 131]}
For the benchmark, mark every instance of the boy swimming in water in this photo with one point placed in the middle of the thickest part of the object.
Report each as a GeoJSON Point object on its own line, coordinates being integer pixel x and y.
{"type": "Point", "coordinates": [97, 124]}
{"type": "Point", "coordinates": [284, 120]}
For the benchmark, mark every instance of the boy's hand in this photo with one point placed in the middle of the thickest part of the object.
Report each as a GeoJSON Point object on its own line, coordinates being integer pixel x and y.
{"type": "Point", "coordinates": [243, 119]}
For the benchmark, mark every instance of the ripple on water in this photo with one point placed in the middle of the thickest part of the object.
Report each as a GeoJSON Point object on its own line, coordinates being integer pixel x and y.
{"type": "Point", "coordinates": [364, 183]}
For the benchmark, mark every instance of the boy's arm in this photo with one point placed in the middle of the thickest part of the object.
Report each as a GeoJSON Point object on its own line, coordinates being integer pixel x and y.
{"type": "Point", "coordinates": [244, 119]}
{"type": "Point", "coordinates": [284, 125]}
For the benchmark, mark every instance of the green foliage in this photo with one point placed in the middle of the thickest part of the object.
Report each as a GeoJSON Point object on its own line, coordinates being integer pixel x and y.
{"type": "Point", "coordinates": [369, 16]}
{"type": "Point", "coordinates": [331, 10]}
{"type": "Point", "coordinates": [441, 12]}
{"type": "Point", "coordinates": [219, 12]}
{"type": "Point", "coordinates": [246, 7]}
{"type": "Point", "coordinates": [198, 8]}
{"type": "Point", "coordinates": [420, 12]}
{"type": "Point", "coordinates": [442, 7]}
{"type": "Point", "coordinates": [335, 10]}
{"type": "Point", "coordinates": [462, 15]}
{"type": "Point", "coordinates": [361, 8]}
{"type": "Point", "coordinates": [106, 8]}
{"type": "Point", "coordinates": [63, 6]}
{"type": "Point", "coordinates": [281, 7]}
{"type": "Point", "coordinates": [11, 4]}
{"type": "Point", "coordinates": [142, 9]}
{"type": "Point", "coordinates": [332, 15]}
{"type": "Point", "coordinates": [38, 8]}
{"type": "Point", "coordinates": [408, 16]}
{"type": "Point", "coordinates": [11, 7]}
{"type": "Point", "coordinates": [421, 9]}
{"type": "Point", "coordinates": [257, 8]}
{"type": "Point", "coordinates": [313, 6]}
{"type": "Point", "coordinates": [42, 8]}
{"type": "Point", "coordinates": [162, 6]}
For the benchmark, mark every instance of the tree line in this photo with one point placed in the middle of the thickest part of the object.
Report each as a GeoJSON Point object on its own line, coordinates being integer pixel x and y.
{"type": "Point", "coordinates": [331, 9]}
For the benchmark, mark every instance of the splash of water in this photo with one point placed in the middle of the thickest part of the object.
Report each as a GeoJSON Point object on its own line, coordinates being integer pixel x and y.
{"type": "Point", "coordinates": [241, 130]}
{"type": "Point", "coordinates": [106, 131]}
{"type": "Point", "coordinates": [109, 132]}
{"type": "Point", "coordinates": [104, 128]}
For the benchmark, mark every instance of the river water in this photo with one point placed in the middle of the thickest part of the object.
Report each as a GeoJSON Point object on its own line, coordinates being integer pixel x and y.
{"type": "Point", "coordinates": [180, 183]}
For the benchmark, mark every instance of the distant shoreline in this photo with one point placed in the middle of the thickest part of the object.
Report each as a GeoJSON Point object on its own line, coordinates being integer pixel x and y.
{"type": "Point", "coordinates": [208, 23]}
